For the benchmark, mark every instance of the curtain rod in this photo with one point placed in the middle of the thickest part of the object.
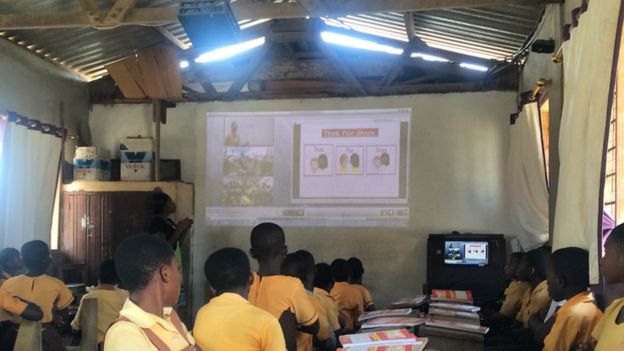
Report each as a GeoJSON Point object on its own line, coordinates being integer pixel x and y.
{"type": "Point", "coordinates": [32, 124]}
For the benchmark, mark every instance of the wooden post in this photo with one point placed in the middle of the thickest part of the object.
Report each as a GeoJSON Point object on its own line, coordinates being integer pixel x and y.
{"type": "Point", "coordinates": [156, 113]}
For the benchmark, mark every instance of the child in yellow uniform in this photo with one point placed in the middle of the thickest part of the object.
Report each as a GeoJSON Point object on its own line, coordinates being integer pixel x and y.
{"type": "Point", "coordinates": [516, 289]}
{"type": "Point", "coordinates": [568, 279]}
{"type": "Point", "coordinates": [357, 272]}
{"type": "Point", "coordinates": [533, 269]}
{"type": "Point", "coordinates": [10, 264]}
{"type": "Point", "coordinates": [49, 293]}
{"type": "Point", "coordinates": [284, 297]}
{"type": "Point", "coordinates": [348, 298]}
{"type": "Point", "coordinates": [323, 284]}
{"type": "Point", "coordinates": [608, 335]}
{"type": "Point", "coordinates": [229, 321]}
{"type": "Point", "coordinates": [110, 299]}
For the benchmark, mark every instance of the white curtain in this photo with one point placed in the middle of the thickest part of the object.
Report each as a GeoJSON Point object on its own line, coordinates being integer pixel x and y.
{"type": "Point", "coordinates": [526, 180]}
{"type": "Point", "coordinates": [28, 173]}
{"type": "Point", "coordinates": [588, 61]}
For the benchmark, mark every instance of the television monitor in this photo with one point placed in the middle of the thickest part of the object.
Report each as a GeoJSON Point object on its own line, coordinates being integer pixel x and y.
{"type": "Point", "coordinates": [471, 253]}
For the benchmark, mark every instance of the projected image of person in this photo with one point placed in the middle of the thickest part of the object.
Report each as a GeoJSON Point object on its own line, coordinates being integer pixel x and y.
{"type": "Point", "coordinates": [248, 161]}
{"type": "Point", "coordinates": [355, 163]}
{"type": "Point", "coordinates": [385, 159]}
{"type": "Point", "coordinates": [314, 165]}
{"type": "Point", "coordinates": [233, 139]}
{"type": "Point", "coordinates": [344, 163]}
{"type": "Point", "coordinates": [323, 163]}
{"type": "Point", "coordinates": [377, 162]}
{"type": "Point", "coordinates": [247, 191]}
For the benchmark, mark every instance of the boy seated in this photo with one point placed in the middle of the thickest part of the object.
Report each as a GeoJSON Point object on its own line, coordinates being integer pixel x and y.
{"type": "Point", "coordinates": [323, 283]}
{"type": "Point", "coordinates": [10, 264]}
{"type": "Point", "coordinates": [348, 298]}
{"type": "Point", "coordinates": [301, 265]}
{"type": "Point", "coordinates": [533, 270]}
{"type": "Point", "coordinates": [516, 289]}
{"type": "Point", "coordinates": [147, 267]}
{"type": "Point", "coordinates": [357, 272]}
{"type": "Point", "coordinates": [283, 297]}
{"type": "Point", "coordinates": [609, 333]}
{"type": "Point", "coordinates": [10, 307]}
{"type": "Point", "coordinates": [229, 321]}
{"type": "Point", "coordinates": [49, 293]}
{"type": "Point", "coordinates": [568, 279]}
{"type": "Point", "coordinates": [110, 300]}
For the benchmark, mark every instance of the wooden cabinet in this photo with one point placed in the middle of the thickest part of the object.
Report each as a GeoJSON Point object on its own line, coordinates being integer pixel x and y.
{"type": "Point", "coordinates": [97, 216]}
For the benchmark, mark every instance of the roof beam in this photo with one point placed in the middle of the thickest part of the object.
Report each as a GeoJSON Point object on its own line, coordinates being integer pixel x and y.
{"type": "Point", "coordinates": [344, 70]}
{"type": "Point", "coordinates": [247, 10]}
{"type": "Point", "coordinates": [119, 11]}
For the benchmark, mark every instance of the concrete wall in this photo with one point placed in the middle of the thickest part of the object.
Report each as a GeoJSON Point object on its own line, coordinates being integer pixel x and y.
{"type": "Point", "coordinates": [458, 158]}
{"type": "Point", "coordinates": [35, 88]}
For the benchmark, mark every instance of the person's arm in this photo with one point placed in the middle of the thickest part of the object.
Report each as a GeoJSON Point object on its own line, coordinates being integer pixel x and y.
{"type": "Point", "coordinates": [273, 337]}
{"type": "Point", "coordinates": [182, 228]}
{"type": "Point", "coordinates": [305, 313]}
{"type": "Point", "coordinates": [32, 312]}
{"type": "Point", "coordinates": [20, 307]}
{"type": "Point", "coordinates": [563, 333]}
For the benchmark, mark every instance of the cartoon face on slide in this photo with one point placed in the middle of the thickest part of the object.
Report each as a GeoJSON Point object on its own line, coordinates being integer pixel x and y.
{"type": "Point", "coordinates": [377, 162]}
{"type": "Point", "coordinates": [385, 159]}
{"type": "Point", "coordinates": [314, 164]}
{"type": "Point", "coordinates": [323, 163]}
{"type": "Point", "coordinates": [355, 160]}
{"type": "Point", "coordinates": [344, 160]}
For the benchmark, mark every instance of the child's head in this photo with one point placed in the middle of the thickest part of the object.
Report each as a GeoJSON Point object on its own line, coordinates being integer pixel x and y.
{"type": "Point", "coordinates": [532, 268]}
{"type": "Point", "coordinates": [511, 268]}
{"type": "Point", "coordinates": [356, 269]}
{"type": "Point", "coordinates": [612, 263]}
{"type": "Point", "coordinates": [36, 256]}
{"type": "Point", "coordinates": [268, 242]}
{"type": "Point", "coordinates": [145, 261]}
{"type": "Point", "coordinates": [10, 259]}
{"type": "Point", "coordinates": [108, 273]}
{"type": "Point", "coordinates": [228, 270]}
{"type": "Point", "coordinates": [567, 273]}
{"type": "Point", "coordinates": [340, 270]}
{"type": "Point", "coordinates": [355, 160]}
{"type": "Point", "coordinates": [323, 277]}
{"type": "Point", "coordinates": [161, 203]}
{"type": "Point", "coordinates": [300, 265]}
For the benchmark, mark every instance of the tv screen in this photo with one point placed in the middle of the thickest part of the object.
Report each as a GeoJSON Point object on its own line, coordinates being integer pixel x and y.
{"type": "Point", "coordinates": [473, 253]}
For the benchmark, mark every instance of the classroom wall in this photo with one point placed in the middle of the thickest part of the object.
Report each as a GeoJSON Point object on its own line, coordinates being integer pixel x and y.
{"type": "Point", "coordinates": [34, 88]}
{"type": "Point", "coordinates": [458, 157]}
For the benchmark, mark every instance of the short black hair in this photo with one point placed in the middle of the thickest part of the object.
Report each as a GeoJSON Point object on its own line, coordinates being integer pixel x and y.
{"type": "Point", "coordinates": [227, 269]}
{"type": "Point", "coordinates": [307, 258]}
{"type": "Point", "coordinates": [138, 257]}
{"type": "Point", "coordinates": [36, 255]}
{"type": "Point", "coordinates": [7, 254]}
{"type": "Point", "coordinates": [323, 276]}
{"type": "Point", "coordinates": [267, 239]}
{"type": "Point", "coordinates": [107, 273]}
{"type": "Point", "coordinates": [573, 264]}
{"type": "Point", "coordinates": [517, 256]}
{"type": "Point", "coordinates": [356, 268]}
{"type": "Point", "coordinates": [538, 260]}
{"type": "Point", "coordinates": [294, 266]}
{"type": "Point", "coordinates": [340, 270]}
{"type": "Point", "coordinates": [617, 237]}
{"type": "Point", "coordinates": [158, 202]}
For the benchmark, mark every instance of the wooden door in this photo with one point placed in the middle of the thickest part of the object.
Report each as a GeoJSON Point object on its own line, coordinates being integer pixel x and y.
{"type": "Point", "coordinates": [129, 214]}
{"type": "Point", "coordinates": [95, 238]}
{"type": "Point", "coordinates": [74, 224]}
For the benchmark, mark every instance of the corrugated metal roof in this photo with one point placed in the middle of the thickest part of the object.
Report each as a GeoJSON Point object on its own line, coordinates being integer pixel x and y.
{"type": "Point", "coordinates": [490, 32]}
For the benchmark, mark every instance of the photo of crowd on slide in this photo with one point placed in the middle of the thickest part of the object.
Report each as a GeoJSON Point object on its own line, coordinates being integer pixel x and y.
{"type": "Point", "coordinates": [248, 161]}
{"type": "Point", "coordinates": [247, 191]}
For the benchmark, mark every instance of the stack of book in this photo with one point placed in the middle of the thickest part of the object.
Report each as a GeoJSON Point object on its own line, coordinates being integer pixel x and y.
{"type": "Point", "coordinates": [455, 306]}
{"type": "Point", "coordinates": [471, 328]}
{"type": "Point", "coordinates": [456, 296]}
{"type": "Point", "coordinates": [434, 311]}
{"type": "Point", "coordinates": [388, 340]}
{"type": "Point", "coordinates": [385, 313]}
{"type": "Point", "coordinates": [406, 302]}
{"type": "Point", "coordinates": [394, 322]}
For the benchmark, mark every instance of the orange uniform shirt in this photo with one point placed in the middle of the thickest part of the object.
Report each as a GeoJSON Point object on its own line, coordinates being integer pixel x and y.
{"type": "Point", "coordinates": [330, 307]}
{"type": "Point", "coordinates": [350, 303]}
{"type": "Point", "coordinates": [44, 291]}
{"type": "Point", "coordinates": [305, 341]}
{"type": "Point", "coordinates": [574, 323]}
{"type": "Point", "coordinates": [513, 298]}
{"type": "Point", "coordinates": [366, 295]}
{"type": "Point", "coordinates": [608, 333]}
{"type": "Point", "coordinates": [11, 304]}
{"type": "Point", "coordinates": [287, 300]}
{"type": "Point", "coordinates": [533, 301]}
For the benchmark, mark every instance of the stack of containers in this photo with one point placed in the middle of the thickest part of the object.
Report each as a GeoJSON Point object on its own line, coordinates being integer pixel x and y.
{"type": "Point", "coordinates": [137, 159]}
{"type": "Point", "coordinates": [91, 163]}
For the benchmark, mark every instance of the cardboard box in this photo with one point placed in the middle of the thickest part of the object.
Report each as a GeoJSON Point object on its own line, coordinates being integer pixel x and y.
{"type": "Point", "coordinates": [136, 171]}
{"type": "Point", "coordinates": [91, 153]}
{"type": "Point", "coordinates": [91, 169]}
{"type": "Point", "coordinates": [137, 144]}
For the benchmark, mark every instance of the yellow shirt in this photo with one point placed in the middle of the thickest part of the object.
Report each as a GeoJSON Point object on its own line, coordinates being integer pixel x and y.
{"type": "Point", "coordinates": [11, 304]}
{"type": "Point", "coordinates": [330, 307]}
{"type": "Point", "coordinates": [229, 322]}
{"type": "Point", "coordinates": [350, 303]}
{"type": "Point", "coordinates": [44, 291]}
{"type": "Point", "coordinates": [127, 335]}
{"type": "Point", "coordinates": [366, 295]}
{"type": "Point", "coordinates": [305, 340]}
{"type": "Point", "coordinates": [533, 301]}
{"type": "Point", "coordinates": [286, 299]}
{"type": "Point", "coordinates": [109, 303]}
{"type": "Point", "coordinates": [608, 333]}
{"type": "Point", "coordinates": [574, 323]}
{"type": "Point", "coordinates": [513, 298]}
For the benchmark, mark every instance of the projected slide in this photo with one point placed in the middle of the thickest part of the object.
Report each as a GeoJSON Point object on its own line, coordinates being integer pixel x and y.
{"type": "Point", "coordinates": [321, 168]}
